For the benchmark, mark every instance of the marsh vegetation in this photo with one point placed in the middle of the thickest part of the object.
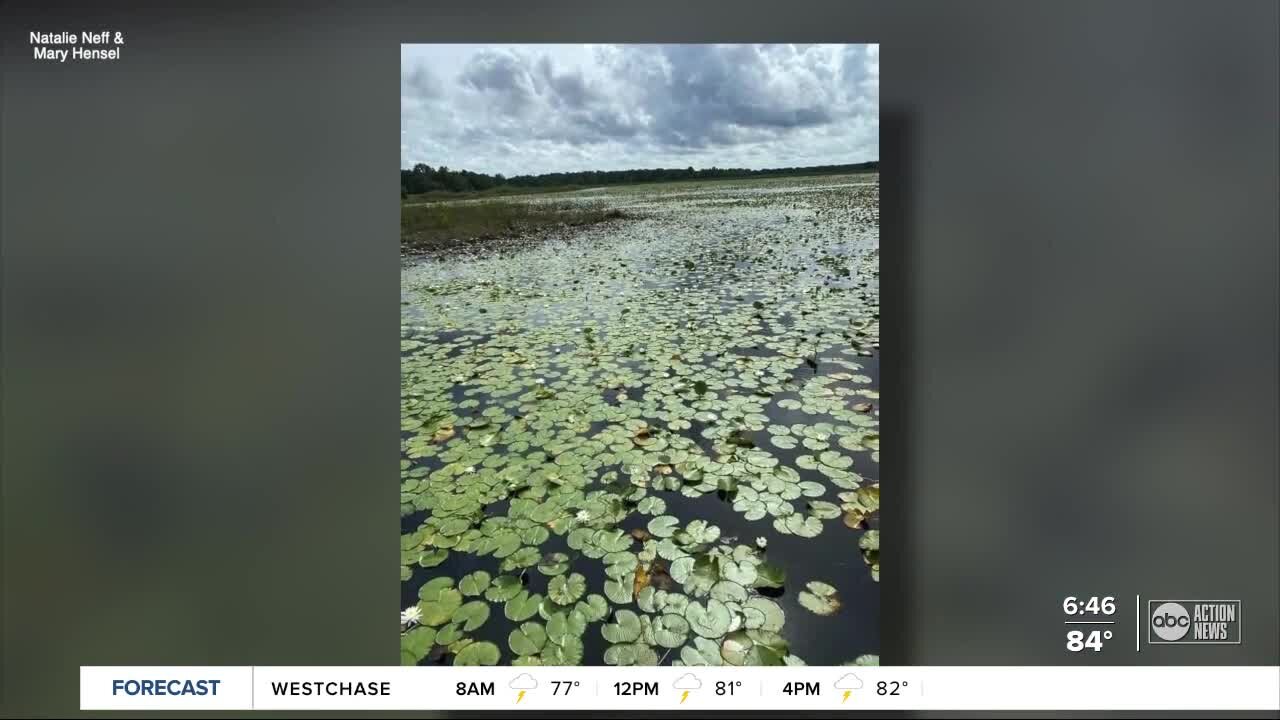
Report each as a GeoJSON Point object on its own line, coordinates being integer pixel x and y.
{"type": "Point", "coordinates": [450, 227]}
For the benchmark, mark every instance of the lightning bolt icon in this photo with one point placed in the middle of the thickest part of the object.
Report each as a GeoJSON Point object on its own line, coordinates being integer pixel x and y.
{"type": "Point", "coordinates": [846, 696]}
{"type": "Point", "coordinates": [521, 697]}
{"type": "Point", "coordinates": [684, 697]}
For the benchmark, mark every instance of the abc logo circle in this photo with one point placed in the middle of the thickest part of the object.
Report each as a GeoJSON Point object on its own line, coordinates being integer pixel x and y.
{"type": "Point", "coordinates": [1170, 621]}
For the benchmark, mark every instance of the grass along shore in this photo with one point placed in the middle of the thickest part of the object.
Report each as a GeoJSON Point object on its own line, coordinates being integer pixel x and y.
{"type": "Point", "coordinates": [441, 226]}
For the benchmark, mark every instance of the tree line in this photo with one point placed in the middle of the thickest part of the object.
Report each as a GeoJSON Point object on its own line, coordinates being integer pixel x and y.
{"type": "Point", "coordinates": [424, 178]}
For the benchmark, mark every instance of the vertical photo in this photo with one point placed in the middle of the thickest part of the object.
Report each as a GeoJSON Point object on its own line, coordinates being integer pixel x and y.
{"type": "Point", "coordinates": [639, 355]}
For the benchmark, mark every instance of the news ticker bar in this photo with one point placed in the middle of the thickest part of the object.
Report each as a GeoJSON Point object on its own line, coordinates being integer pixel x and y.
{"type": "Point", "coordinates": [672, 688]}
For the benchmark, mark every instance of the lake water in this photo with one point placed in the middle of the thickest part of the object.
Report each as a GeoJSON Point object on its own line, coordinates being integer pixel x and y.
{"type": "Point", "coordinates": [685, 401]}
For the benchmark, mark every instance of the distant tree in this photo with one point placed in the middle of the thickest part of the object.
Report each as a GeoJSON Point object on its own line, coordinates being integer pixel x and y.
{"type": "Point", "coordinates": [422, 178]}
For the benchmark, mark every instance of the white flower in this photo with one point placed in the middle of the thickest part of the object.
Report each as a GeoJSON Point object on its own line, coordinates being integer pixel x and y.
{"type": "Point", "coordinates": [761, 542]}
{"type": "Point", "coordinates": [541, 381]}
{"type": "Point", "coordinates": [411, 615]}
{"type": "Point", "coordinates": [471, 468]}
{"type": "Point", "coordinates": [583, 516]}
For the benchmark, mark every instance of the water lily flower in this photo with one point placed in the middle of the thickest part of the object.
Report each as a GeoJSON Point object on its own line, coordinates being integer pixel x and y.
{"type": "Point", "coordinates": [541, 381]}
{"type": "Point", "coordinates": [583, 516]}
{"type": "Point", "coordinates": [762, 542]}
{"type": "Point", "coordinates": [411, 615]}
{"type": "Point", "coordinates": [471, 468]}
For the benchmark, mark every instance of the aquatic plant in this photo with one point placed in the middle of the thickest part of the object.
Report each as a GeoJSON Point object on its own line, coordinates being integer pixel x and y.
{"type": "Point", "coordinates": [574, 414]}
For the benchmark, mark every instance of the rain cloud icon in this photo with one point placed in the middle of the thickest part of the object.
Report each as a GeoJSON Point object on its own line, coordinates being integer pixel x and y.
{"type": "Point", "coordinates": [523, 681]}
{"type": "Point", "coordinates": [849, 682]}
{"type": "Point", "coordinates": [687, 681]}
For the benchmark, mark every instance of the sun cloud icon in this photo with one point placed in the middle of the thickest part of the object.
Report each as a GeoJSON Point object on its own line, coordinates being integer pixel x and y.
{"type": "Point", "coordinates": [687, 681]}
{"type": "Point", "coordinates": [849, 682]}
{"type": "Point", "coordinates": [523, 681]}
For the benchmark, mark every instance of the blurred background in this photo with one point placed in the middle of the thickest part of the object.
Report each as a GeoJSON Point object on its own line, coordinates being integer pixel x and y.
{"type": "Point", "coordinates": [199, 353]}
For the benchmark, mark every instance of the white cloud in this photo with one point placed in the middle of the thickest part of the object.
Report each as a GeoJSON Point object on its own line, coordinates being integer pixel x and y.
{"type": "Point", "coordinates": [548, 108]}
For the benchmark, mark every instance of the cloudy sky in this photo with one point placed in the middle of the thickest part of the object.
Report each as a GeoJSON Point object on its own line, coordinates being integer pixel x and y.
{"type": "Point", "coordinates": [517, 109]}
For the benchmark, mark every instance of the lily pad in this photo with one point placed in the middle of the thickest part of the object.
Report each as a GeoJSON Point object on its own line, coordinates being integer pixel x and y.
{"type": "Point", "coordinates": [698, 532]}
{"type": "Point", "coordinates": [569, 651]}
{"type": "Point", "coordinates": [553, 564]}
{"type": "Point", "coordinates": [472, 615]}
{"type": "Point", "coordinates": [736, 647]}
{"type": "Point", "coordinates": [522, 607]}
{"type": "Point", "coordinates": [670, 630]}
{"type": "Point", "coordinates": [742, 572]}
{"type": "Point", "coordinates": [630, 654]}
{"type": "Point", "coordinates": [619, 592]}
{"type": "Point", "coordinates": [784, 442]}
{"type": "Point", "coordinates": [769, 575]}
{"type": "Point", "coordinates": [812, 489]}
{"type": "Point", "coordinates": [835, 459]}
{"type": "Point", "coordinates": [702, 652]}
{"type": "Point", "coordinates": [711, 620]}
{"type": "Point", "coordinates": [522, 558]}
{"type": "Point", "coordinates": [611, 541]}
{"type": "Point", "coordinates": [663, 526]}
{"type": "Point", "coordinates": [593, 608]}
{"type": "Point", "coordinates": [726, 591]}
{"type": "Point", "coordinates": [763, 614]}
{"type": "Point", "coordinates": [620, 565]}
{"type": "Point", "coordinates": [870, 546]}
{"type": "Point", "coordinates": [504, 588]}
{"type": "Point", "coordinates": [481, 653]}
{"type": "Point", "coordinates": [440, 608]}
{"type": "Point", "coordinates": [680, 568]}
{"type": "Point", "coordinates": [819, 598]}
{"type": "Point", "coordinates": [418, 642]}
{"type": "Point", "coordinates": [652, 506]}
{"type": "Point", "coordinates": [449, 634]}
{"type": "Point", "coordinates": [823, 510]}
{"type": "Point", "coordinates": [625, 627]}
{"type": "Point", "coordinates": [528, 639]}
{"type": "Point", "coordinates": [802, 525]}
{"type": "Point", "coordinates": [563, 625]}
{"type": "Point", "coordinates": [432, 588]}
{"type": "Point", "coordinates": [566, 589]}
{"type": "Point", "coordinates": [433, 558]}
{"type": "Point", "coordinates": [474, 584]}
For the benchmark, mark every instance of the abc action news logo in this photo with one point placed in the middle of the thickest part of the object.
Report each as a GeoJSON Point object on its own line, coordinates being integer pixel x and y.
{"type": "Point", "coordinates": [1194, 622]}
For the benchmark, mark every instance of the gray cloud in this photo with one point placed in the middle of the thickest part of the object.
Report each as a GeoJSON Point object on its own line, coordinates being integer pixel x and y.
{"type": "Point", "coordinates": [531, 109]}
{"type": "Point", "coordinates": [569, 89]}
{"type": "Point", "coordinates": [421, 83]}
